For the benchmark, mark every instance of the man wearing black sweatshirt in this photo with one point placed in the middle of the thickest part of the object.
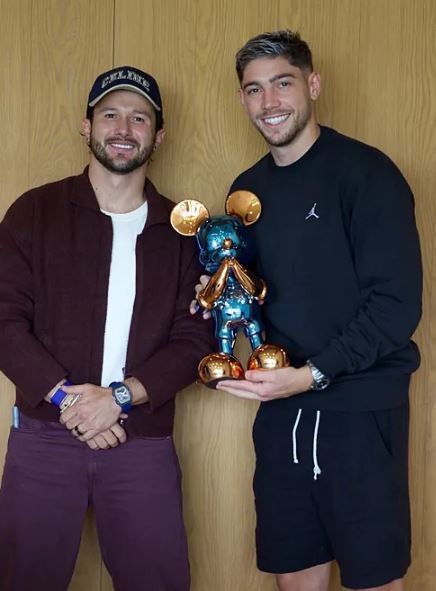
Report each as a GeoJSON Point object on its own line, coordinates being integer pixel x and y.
{"type": "Point", "coordinates": [338, 247]}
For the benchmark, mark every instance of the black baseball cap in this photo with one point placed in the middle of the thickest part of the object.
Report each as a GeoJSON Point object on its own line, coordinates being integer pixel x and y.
{"type": "Point", "coordinates": [126, 78]}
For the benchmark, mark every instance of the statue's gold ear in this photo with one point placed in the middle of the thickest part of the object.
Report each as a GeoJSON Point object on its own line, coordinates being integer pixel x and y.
{"type": "Point", "coordinates": [187, 216]}
{"type": "Point", "coordinates": [245, 205]}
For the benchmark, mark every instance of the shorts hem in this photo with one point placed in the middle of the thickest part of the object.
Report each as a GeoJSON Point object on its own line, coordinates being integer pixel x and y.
{"type": "Point", "coordinates": [275, 569]}
{"type": "Point", "coordinates": [373, 580]}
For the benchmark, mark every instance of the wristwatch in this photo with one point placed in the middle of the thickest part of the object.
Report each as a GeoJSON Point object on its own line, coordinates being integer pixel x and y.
{"type": "Point", "coordinates": [320, 381]}
{"type": "Point", "coordinates": [122, 395]}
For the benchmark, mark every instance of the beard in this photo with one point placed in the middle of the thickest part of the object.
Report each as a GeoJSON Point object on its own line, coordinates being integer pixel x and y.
{"type": "Point", "coordinates": [120, 166]}
{"type": "Point", "coordinates": [297, 123]}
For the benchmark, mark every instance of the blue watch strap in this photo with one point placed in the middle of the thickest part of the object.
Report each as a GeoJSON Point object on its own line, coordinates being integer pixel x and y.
{"type": "Point", "coordinates": [59, 395]}
{"type": "Point", "coordinates": [126, 404]}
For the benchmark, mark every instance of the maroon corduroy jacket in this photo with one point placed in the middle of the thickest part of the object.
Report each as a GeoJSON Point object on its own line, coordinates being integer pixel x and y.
{"type": "Point", "coordinates": [55, 253]}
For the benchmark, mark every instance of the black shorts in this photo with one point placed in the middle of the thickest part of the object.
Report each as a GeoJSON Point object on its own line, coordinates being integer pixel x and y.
{"type": "Point", "coordinates": [354, 511]}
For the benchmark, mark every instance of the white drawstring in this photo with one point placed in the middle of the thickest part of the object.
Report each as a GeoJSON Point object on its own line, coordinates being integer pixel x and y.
{"type": "Point", "coordinates": [294, 436]}
{"type": "Point", "coordinates": [316, 468]}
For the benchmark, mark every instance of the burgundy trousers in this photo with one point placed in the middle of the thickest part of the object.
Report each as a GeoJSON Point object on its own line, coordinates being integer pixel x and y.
{"type": "Point", "coordinates": [49, 480]}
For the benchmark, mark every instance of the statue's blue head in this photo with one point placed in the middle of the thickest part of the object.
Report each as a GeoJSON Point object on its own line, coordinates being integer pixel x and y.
{"type": "Point", "coordinates": [223, 237]}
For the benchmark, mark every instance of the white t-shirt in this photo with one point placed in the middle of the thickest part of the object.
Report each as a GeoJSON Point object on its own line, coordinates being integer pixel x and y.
{"type": "Point", "coordinates": [122, 290]}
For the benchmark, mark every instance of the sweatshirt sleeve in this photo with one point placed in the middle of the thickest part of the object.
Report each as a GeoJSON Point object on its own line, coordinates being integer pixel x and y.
{"type": "Point", "coordinates": [387, 260]}
{"type": "Point", "coordinates": [174, 366]}
{"type": "Point", "coordinates": [23, 358]}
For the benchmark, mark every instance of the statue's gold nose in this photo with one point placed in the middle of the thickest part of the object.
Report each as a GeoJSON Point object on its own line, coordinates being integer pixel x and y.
{"type": "Point", "coordinates": [228, 243]}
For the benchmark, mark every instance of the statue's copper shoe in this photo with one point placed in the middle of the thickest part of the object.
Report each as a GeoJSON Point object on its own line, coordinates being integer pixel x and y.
{"type": "Point", "coordinates": [219, 366]}
{"type": "Point", "coordinates": [268, 357]}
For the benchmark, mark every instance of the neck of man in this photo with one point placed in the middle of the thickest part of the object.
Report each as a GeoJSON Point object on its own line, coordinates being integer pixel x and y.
{"type": "Point", "coordinates": [285, 155]}
{"type": "Point", "coordinates": [117, 193]}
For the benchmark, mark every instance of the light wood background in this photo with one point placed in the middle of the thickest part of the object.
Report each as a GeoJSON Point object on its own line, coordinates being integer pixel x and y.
{"type": "Point", "coordinates": [378, 62]}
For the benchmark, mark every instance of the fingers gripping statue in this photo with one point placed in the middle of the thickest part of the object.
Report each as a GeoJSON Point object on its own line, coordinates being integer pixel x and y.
{"type": "Point", "coordinates": [233, 292]}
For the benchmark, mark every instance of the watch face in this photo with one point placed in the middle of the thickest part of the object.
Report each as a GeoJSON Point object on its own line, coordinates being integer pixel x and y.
{"type": "Point", "coordinates": [122, 395]}
{"type": "Point", "coordinates": [322, 383]}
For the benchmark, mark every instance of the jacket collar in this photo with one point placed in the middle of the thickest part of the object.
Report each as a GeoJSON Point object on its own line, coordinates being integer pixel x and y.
{"type": "Point", "coordinates": [84, 196]}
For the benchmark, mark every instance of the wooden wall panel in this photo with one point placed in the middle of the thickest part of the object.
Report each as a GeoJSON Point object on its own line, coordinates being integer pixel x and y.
{"type": "Point", "coordinates": [223, 140]}
{"type": "Point", "coordinates": [51, 51]}
{"type": "Point", "coordinates": [332, 28]}
{"type": "Point", "coordinates": [166, 30]}
{"type": "Point", "coordinates": [15, 125]}
{"type": "Point", "coordinates": [397, 66]}
{"type": "Point", "coordinates": [377, 59]}
{"type": "Point", "coordinates": [72, 42]}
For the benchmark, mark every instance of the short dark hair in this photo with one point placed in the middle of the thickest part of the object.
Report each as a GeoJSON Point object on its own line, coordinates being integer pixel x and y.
{"type": "Point", "coordinates": [283, 43]}
{"type": "Point", "coordinates": [159, 118]}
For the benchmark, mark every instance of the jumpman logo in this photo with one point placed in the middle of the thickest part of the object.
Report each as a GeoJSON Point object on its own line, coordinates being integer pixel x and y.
{"type": "Point", "coordinates": [312, 213]}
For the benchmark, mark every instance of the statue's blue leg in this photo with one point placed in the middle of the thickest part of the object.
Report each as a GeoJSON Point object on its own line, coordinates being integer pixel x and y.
{"type": "Point", "coordinates": [226, 346]}
{"type": "Point", "coordinates": [224, 333]}
{"type": "Point", "coordinates": [253, 331]}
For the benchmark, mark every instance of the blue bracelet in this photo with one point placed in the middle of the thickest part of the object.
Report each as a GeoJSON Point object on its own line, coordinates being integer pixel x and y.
{"type": "Point", "coordinates": [59, 395]}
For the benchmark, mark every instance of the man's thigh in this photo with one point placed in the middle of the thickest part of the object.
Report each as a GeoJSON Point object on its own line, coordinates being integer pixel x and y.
{"type": "Point", "coordinates": [138, 506]}
{"type": "Point", "coordinates": [315, 578]}
{"type": "Point", "coordinates": [43, 501]}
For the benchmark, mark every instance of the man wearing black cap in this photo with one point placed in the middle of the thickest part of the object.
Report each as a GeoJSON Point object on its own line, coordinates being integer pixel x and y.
{"type": "Point", "coordinates": [96, 335]}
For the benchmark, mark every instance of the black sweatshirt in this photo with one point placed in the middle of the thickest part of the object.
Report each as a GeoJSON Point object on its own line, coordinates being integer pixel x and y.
{"type": "Point", "coordinates": [338, 247]}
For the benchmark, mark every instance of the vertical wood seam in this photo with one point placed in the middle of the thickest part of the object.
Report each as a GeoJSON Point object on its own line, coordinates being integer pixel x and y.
{"type": "Point", "coordinates": [29, 104]}
{"type": "Point", "coordinates": [356, 115]}
{"type": "Point", "coordinates": [114, 8]}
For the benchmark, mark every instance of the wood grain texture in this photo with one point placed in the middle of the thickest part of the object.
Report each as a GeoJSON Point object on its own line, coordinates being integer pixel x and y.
{"type": "Point", "coordinates": [71, 43]}
{"type": "Point", "coordinates": [377, 59]}
{"type": "Point", "coordinates": [397, 66]}
{"type": "Point", "coordinates": [50, 51]}
{"type": "Point", "coordinates": [332, 29]}
{"type": "Point", "coordinates": [225, 142]}
{"type": "Point", "coordinates": [166, 49]}
{"type": "Point", "coordinates": [15, 123]}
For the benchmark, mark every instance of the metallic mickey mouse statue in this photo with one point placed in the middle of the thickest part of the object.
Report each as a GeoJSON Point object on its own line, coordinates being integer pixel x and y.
{"type": "Point", "coordinates": [233, 292]}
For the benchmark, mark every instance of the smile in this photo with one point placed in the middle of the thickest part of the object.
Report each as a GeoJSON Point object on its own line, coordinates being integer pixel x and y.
{"type": "Point", "coordinates": [275, 120]}
{"type": "Point", "coordinates": [119, 146]}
